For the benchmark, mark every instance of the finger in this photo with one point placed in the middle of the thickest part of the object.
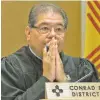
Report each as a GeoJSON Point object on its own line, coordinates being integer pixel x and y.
{"type": "Point", "coordinates": [52, 50]}
{"type": "Point", "coordinates": [53, 47]}
{"type": "Point", "coordinates": [44, 52]}
{"type": "Point", "coordinates": [52, 54]}
{"type": "Point", "coordinates": [57, 53]}
{"type": "Point", "coordinates": [52, 43]}
{"type": "Point", "coordinates": [58, 59]}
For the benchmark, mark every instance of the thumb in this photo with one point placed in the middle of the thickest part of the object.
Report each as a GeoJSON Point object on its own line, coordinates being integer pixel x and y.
{"type": "Point", "coordinates": [57, 53]}
{"type": "Point", "coordinates": [44, 52]}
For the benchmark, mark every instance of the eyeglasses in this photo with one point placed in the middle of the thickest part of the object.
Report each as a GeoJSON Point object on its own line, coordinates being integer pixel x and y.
{"type": "Point", "coordinates": [45, 29]}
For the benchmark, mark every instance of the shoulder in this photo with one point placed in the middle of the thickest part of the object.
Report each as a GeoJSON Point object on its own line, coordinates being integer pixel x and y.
{"type": "Point", "coordinates": [76, 60]}
{"type": "Point", "coordinates": [12, 73]}
{"type": "Point", "coordinates": [14, 56]}
{"type": "Point", "coordinates": [81, 65]}
{"type": "Point", "coordinates": [9, 65]}
{"type": "Point", "coordinates": [21, 61]}
{"type": "Point", "coordinates": [11, 62]}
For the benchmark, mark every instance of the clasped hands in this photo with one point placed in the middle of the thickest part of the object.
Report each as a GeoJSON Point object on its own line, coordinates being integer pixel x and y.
{"type": "Point", "coordinates": [52, 64]}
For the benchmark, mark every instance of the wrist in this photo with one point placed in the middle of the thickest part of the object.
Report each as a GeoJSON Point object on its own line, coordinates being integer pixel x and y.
{"type": "Point", "coordinates": [64, 79]}
{"type": "Point", "coordinates": [49, 78]}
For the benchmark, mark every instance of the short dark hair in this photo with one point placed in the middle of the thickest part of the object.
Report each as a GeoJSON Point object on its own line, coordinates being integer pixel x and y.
{"type": "Point", "coordinates": [44, 8]}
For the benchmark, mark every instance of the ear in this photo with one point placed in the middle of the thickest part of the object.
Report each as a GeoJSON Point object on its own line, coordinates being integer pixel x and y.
{"type": "Point", "coordinates": [27, 33]}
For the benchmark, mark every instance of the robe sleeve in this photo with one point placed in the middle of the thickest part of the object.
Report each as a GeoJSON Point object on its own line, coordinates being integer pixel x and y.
{"type": "Point", "coordinates": [13, 84]}
{"type": "Point", "coordinates": [95, 77]}
{"type": "Point", "coordinates": [86, 65]}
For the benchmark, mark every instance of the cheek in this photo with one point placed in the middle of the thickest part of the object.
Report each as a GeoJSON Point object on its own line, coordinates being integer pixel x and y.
{"type": "Point", "coordinates": [60, 40]}
{"type": "Point", "coordinates": [61, 43]}
{"type": "Point", "coordinates": [34, 38]}
{"type": "Point", "coordinates": [43, 39]}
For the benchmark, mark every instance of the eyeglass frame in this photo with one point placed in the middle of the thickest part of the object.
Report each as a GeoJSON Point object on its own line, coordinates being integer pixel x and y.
{"type": "Point", "coordinates": [50, 29]}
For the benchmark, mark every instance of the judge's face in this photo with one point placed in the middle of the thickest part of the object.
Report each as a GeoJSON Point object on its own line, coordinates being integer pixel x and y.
{"type": "Point", "coordinates": [48, 25]}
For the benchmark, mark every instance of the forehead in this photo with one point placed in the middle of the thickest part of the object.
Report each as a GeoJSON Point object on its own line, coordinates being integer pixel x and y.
{"type": "Point", "coordinates": [49, 18]}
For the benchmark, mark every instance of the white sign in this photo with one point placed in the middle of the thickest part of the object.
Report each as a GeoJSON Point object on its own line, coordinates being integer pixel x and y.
{"type": "Point", "coordinates": [73, 90]}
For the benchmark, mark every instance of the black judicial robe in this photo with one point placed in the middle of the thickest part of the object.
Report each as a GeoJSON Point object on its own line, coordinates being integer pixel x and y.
{"type": "Point", "coordinates": [22, 74]}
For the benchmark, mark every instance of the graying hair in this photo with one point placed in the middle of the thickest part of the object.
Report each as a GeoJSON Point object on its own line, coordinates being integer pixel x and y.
{"type": "Point", "coordinates": [45, 8]}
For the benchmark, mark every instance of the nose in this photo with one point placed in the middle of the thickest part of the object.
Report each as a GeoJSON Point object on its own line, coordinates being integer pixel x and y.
{"type": "Point", "coordinates": [52, 33]}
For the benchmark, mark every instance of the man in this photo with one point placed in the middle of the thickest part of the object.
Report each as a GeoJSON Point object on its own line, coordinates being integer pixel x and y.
{"type": "Point", "coordinates": [25, 72]}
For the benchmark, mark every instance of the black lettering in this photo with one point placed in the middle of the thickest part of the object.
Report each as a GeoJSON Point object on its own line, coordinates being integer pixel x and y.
{"type": "Point", "coordinates": [99, 87]}
{"type": "Point", "coordinates": [75, 87]}
{"type": "Point", "coordinates": [80, 94]}
{"type": "Point", "coordinates": [87, 94]}
{"type": "Point", "coordinates": [73, 94]}
{"type": "Point", "coordinates": [93, 94]}
{"type": "Point", "coordinates": [97, 93]}
{"type": "Point", "coordinates": [93, 87]}
{"type": "Point", "coordinates": [71, 87]}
